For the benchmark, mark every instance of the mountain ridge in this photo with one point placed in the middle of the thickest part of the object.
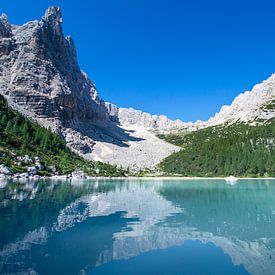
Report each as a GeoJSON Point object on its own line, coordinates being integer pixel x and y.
{"type": "Point", "coordinates": [40, 77]}
{"type": "Point", "coordinates": [249, 106]}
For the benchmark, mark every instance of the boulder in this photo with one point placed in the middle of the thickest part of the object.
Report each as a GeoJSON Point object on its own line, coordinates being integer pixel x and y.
{"type": "Point", "coordinates": [39, 166]}
{"type": "Point", "coordinates": [5, 170]}
{"type": "Point", "coordinates": [25, 159]}
{"type": "Point", "coordinates": [78, 175]}
{"type": "Point", "coordinates": [37, 159]}
{"type": "Point", "coordinates": [32, 170]}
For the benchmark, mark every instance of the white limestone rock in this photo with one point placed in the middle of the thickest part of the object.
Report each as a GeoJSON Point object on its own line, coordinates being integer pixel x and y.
{"type": "Point", "coordinates": [160, 123]}
{"type": "Point", "coordinates": [250, 106]}
{"type": "Point", "coordinates": [40, 76]}
{"type": "Point", "coordinates": [39, 166]}
{"type": "Point", "coordinates": [32, 170]}
{"type": "Point", "coordinates": [78, 175]}
{"type": "Point", "coordinates": [25, 159]}
{"type": "Point", "coordinates": [143, 150]}
{"type": "Point", "coordinates": [5, 170]}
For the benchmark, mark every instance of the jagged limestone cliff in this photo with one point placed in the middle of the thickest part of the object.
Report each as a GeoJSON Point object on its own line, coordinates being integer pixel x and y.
{"type": "Point", "coordinates": [40, 77]}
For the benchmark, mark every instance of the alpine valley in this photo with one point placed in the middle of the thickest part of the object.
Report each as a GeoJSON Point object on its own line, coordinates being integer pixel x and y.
{"type": "Point", "coordinates": [53, 121]}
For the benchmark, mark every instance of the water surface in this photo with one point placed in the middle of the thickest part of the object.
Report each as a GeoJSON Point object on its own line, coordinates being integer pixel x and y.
{"type": "Point", "coordinates": [137, 227]}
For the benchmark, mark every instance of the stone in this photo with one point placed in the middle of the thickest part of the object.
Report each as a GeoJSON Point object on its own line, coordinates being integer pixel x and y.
{"type": "Point", "coordinates": [24, 175]}
{"type": "Point", "coordinates": [37, 159]}
{"type": "Point", "coordinates": [39, 166]}
{"type": "Point", "coordinates": [25, 159]}
{"type": "Point", "coordinates": [32, 170]}
{"type": "Point", "coordinates": [52, 168]}
{"type": "Point", "coordinates": [5, 170]}
{"type": "Point", "coordinates": [5, 27]}
{"type": "Point", "coordinates": [78, 175]}
{"type": "Point", "coordinates": [40, 77]}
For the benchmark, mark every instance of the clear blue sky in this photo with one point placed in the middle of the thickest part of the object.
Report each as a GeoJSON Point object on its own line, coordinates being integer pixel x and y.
{"type": "Point", "coordinates": [180, 58]}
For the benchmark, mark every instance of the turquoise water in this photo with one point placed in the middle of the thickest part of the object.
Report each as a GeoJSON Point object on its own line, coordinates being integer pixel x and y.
{"type": "Point", "coordinates": [137, 227]}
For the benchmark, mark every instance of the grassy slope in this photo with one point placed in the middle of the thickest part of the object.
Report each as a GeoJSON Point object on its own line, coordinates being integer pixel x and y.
{"type": "Point", "coordinates": [239, 150]}
{"type": "Point", "coordinates": [20, 136]}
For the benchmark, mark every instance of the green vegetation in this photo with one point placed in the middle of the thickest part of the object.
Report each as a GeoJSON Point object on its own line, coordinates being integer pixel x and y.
{"type": "Point", "coordinates": [20, 136]}
{"type": "Point", "coordinates": [239, 150]}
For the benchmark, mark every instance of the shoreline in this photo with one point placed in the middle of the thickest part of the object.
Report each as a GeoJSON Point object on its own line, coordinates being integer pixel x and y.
{"type": "Point", "coordinates": [176, 178]}
{"type": "Point", "coordinates": [64, 177]}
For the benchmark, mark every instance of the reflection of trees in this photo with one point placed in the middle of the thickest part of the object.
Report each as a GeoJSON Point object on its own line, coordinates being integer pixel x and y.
{"type": "Point", "coordinates": [244, 211]}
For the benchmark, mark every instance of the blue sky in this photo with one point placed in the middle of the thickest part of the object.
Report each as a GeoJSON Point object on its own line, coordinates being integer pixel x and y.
{"type": "Point", "coordinates": [180, 58]}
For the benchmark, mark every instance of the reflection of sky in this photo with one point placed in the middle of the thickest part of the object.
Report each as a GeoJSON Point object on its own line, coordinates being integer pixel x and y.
{"type": "Point", "coordinates": [193, 257]}
{"type": "Point", "coordinates": [158, 215]}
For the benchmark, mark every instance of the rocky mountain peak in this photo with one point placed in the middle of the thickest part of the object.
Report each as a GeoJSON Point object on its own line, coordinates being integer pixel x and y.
{"type": "Point", "coordinates": [53, 19]}
{"type": "Point", "coordinates": [40, 77]}
{"type": "Point", "coordinates": [5, 27]}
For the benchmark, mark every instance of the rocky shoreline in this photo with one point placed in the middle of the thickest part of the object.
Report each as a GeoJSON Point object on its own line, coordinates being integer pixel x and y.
{"type": "Point", "coordinates": [79, 175]}
{"type": "Point", "coordinates": [33, 169]}
{"type": "Point", "coordinates": [33, 166]}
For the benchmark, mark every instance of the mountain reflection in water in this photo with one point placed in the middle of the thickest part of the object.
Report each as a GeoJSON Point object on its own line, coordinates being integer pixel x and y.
{"type": "Point", "coordinates": [131, 226]}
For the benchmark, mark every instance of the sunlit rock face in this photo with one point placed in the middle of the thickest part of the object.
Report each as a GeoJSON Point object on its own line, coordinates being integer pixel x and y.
{"type": "Point", "coordinates": [257, 105]}
{"type": "Point", "coordinates": [40, 77]}
{"type": "Point", "coordinates": [40, 73]}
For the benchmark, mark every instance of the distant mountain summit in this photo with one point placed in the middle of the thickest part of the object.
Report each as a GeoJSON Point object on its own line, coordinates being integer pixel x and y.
{"type": "Point", "coordinates": [257, 105]}
{"type": "Point", "coordinates": [160, 123]}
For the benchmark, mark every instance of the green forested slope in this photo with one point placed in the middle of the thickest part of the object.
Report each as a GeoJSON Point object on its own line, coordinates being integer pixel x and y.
{"type": "Point", "coordinates": [20, 136]}
{"type": "Point", "coordinates": [239, 149]}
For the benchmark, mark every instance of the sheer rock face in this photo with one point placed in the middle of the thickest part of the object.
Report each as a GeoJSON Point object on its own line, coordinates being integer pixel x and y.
{"type": "Point", "coordinates": [40, 75]}
{"type": "Point", "coordinates": [5, 27]}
